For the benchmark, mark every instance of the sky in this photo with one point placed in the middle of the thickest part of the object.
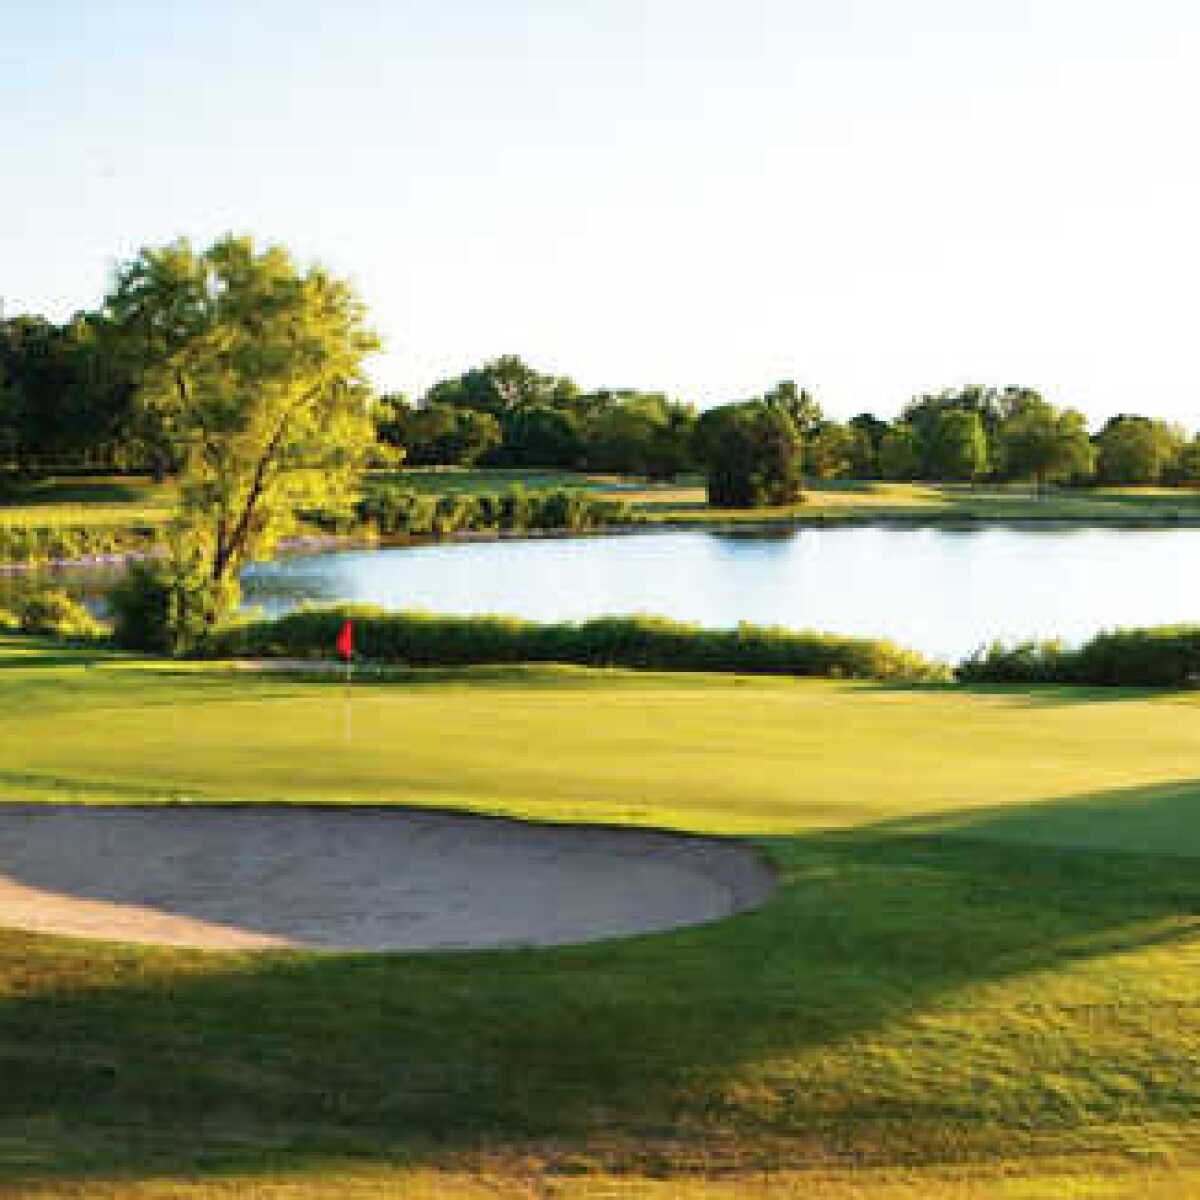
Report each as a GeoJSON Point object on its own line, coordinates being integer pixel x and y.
{"type": "Point", "coordinates": [872, 197]}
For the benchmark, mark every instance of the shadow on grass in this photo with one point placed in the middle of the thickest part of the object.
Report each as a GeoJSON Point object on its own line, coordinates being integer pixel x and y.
{"type": "Point", "coordinates": [124, 1060]}
{"type": "Point", "coordinates": [96, 491]}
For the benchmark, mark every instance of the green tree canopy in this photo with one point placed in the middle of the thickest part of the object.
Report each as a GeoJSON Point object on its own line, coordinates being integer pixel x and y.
{"type": "Point", "coordinates": [435, 434]}
{"type": "Point", "coordinates": [1135, 449]}
{"type": "Point", "coordinates": [752, 453]}
{"type": "Point", "coordinates": [956, 445]}
{"type": "Point", "coordinates": [502, 386]}
{"type": "Point", "coordinates": [1041, 443]}
{"type": "Point", "coordinates": [253, 369]}
{"type": "Point", "coordinates": [899, 453]}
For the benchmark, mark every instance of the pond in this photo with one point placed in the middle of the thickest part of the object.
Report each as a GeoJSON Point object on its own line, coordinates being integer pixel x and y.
{"type": "Point", "coordinates": [940, 591]}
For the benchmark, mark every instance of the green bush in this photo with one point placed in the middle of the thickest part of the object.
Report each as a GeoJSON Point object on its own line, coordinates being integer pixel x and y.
{"type": "Point", "coordinates": [394, 511]}
{"type": "Point", "coordinates": [53, 543]}
{"type": "Point", "coordinates": [56, 614]}
{"type": "Point", "coordinates": [1025, 662]}
{"type": "Point", "coordinates": [426, 639]}
{"type": "Point", "coordinates": [1164, 656]}
{"type": "Point", "coordinates": [161, 607]}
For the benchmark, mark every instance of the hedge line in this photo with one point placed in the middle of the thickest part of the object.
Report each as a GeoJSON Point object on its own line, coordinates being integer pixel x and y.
{"type": "Point", "coordinates": [53, 613]}
{"type": "Point", "coordinates": [386, 511]}
{"type": "Point", "coordinates": [50, 543]}
{"type": "Point", "coordinates": [425, 639]}
{"type": "Point", "coordinates": [1162, 656]}
{"type": "Point", "coordinates": [392, 511]}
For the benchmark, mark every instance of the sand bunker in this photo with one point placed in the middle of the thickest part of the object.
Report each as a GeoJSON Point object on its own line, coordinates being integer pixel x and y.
{"type": "Point", "coordinates": [354, 878]}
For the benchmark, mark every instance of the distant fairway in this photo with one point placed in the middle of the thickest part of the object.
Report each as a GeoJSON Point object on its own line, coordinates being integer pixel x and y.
{"type": "Point", "coordinates": [979, 975]}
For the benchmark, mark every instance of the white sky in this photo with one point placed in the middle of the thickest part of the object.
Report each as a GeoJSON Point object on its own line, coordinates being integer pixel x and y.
{"type": "Point", "coordinates": [875, 197]}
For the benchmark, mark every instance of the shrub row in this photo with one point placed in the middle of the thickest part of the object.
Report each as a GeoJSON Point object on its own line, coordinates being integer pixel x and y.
{"type": "Point", "coordinates": [1163, 656]}
{"type": "Point", "coordinates": [425, 639]}
{"type": "Point", "coordinates": [392, 511]}
{"type": "Point", "coordinates": [50, 543]}
{"type": "Point", "coordinates": [53, 613]}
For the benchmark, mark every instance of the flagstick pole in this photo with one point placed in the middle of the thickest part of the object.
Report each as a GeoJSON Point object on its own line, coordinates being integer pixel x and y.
{"type": "Point", "coordinates": [347, 704]}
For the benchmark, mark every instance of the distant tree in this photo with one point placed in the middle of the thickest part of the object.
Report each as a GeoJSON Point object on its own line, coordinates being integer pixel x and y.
{"type": "Point", "coordinates": [922, 413]}
{"type": "Point", "coordinates": [436, 434]}
{"type": "Point", "coordinates": [752, 453]}
{"type": "Point", "coordinates": [66, 398]}
{"type": "Point", "coordinates": [670, 449]}
{"type": "Point", "coordinates": [254, 371]}
{"type": "Point", "coordinates": [799, 404]}
{"type": "Point", "coordinates": [955, 445]}
{"type": "Point", "coordinates": [869, 432]}
{"type": "Point", "coordinates": [1136, 449]}
{"type": "Point", "coordinates": [503, 386]}
{"type": "Point", "coordinates": [899, 453]}
{"type": "Point", "coordinates": [540, 436]}
{"type": "Point", "coordinates": [620, 437]}
{"type": "Point", "coordinates": [1041, 443]}
{"type": "Point", "coordinates": [1187, 465]}
{"type": "Point", "coordinates": [640, 433]}
{"type": "Point", "coordinates": [829, 453]}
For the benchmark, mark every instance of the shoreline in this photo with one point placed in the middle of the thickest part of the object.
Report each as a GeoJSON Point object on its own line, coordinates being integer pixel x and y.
{"type": "Point", "coordinates": [958, 522]}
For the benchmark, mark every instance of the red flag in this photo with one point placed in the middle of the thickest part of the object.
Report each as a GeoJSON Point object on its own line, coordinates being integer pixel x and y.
{"type": "Point", "coordinates": [345, 641]}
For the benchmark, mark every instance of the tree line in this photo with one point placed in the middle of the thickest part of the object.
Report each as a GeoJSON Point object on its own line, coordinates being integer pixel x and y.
{"type": "Point", "coordinates": [69, 398]}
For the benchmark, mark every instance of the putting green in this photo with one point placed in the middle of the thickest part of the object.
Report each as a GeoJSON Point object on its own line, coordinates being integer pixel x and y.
{"type": "Point", "coordinates": [704, 753]}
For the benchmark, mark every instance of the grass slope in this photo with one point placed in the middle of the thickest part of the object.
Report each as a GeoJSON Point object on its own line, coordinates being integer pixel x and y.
{"type": "Point", "coordinates": [979, 975]}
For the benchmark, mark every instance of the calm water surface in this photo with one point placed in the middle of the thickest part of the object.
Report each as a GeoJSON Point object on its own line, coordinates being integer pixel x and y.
{"type": "Point", "coordinates": [940, 591]}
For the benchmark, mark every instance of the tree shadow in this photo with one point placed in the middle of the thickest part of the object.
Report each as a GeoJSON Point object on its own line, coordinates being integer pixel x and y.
{"type": "Point", "coordinates": [181, 1061]}
{"type": "Point", "coordinates": [52, 492]}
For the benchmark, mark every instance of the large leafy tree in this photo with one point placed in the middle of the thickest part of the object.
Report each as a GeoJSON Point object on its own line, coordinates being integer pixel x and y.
{"type": "Point", "coordinates": [502, 386]}
{"type": "Point", "coordinates": [799, 404]}
{"type": "Point", "coordinates": [1136, 449]}
{"type": "Point", "coordinates": [1039, 442]}
{"type": "Point", "coordinates": [435, 434]}
{"type": "Point", "coordinates": [752, 453]}
{"type": "Point", "coordinates": [252, 368]}
{"type": "Point", "coordinates": [956, 445]}
{"type": "Point", "coordinates": [899, 452]}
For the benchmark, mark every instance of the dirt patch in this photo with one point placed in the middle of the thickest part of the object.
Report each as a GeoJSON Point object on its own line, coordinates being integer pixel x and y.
{"type": "Point", "coordinates": [261, 876]}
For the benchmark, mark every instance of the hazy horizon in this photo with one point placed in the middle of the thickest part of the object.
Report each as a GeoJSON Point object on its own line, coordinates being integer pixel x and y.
{"type": "Point", "coordinates": [663, 195]}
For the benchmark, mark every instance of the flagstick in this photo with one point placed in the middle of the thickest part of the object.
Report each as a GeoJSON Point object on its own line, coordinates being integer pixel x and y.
{"type": "Point", "coordinates": [347, 704]}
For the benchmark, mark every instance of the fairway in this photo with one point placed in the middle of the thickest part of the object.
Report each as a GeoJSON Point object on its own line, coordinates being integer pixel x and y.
{"type": "Point", "coordinates": [978, 975]}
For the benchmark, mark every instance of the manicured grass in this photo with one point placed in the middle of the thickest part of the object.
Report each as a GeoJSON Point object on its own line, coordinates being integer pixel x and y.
{"type": "Point", "coordinates": [979, 974]}
{"type": "Point", "coordinates": [106, 501]}
{"type": "Point", "coordinates": [849, 501]}
{"type": "Point", "coordinates": [439, 481]}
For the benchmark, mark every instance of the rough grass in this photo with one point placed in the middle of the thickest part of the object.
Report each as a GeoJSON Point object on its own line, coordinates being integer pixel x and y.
{"type": "Point", "coordinates": [978, 977]}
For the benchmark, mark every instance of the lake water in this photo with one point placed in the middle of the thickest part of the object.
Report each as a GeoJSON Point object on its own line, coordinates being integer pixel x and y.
{"type": "Point", "coordinates": [941, 591]}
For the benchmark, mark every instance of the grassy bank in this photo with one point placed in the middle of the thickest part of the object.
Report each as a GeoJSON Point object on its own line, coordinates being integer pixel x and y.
{"type": "Point", "coordinates": [72, 518]}
{"type": "Point", "coordinates": [977, 977]}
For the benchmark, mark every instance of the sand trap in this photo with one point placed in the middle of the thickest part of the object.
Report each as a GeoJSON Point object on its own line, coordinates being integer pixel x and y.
{"type": "Point", "coordinates": [261, 876]}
